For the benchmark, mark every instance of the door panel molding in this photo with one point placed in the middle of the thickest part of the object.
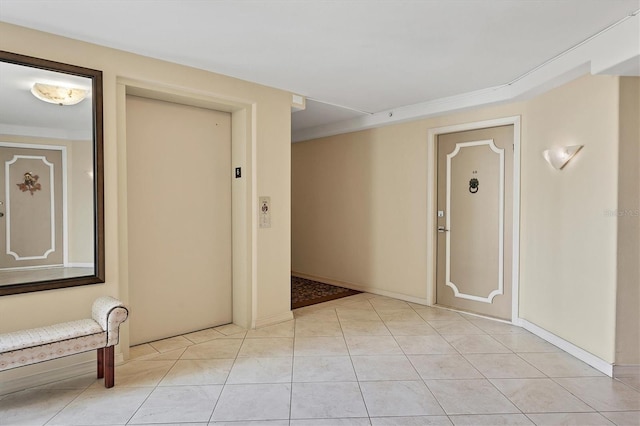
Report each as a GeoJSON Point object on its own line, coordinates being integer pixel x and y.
{"type": "Point", "coordinates": [52, 213]}
{"type": "Point", "coordinates": [57, 252]}
{"type": "Point", "coordinates": [500, 290]}
{"type": "Point", "coordinates": [432, 136]}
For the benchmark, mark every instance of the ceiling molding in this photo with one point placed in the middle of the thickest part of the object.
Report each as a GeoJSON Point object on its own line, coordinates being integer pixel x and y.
{"type": "Point", "coordinates": [600, 54]}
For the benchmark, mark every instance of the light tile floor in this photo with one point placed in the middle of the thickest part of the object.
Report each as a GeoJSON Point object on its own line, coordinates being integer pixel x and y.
{"type": "Point", "coordinates": [361, 360]}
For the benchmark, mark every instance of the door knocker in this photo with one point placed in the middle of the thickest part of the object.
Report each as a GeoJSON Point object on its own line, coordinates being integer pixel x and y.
{"type": "Point", "coordinates": [473, 185]}
{"type": "Point", "coordinates": [30, 183]}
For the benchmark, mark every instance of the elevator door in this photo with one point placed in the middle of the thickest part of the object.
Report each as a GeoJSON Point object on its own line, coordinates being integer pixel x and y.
{"type": "Point", "coordinates": [179, 218]}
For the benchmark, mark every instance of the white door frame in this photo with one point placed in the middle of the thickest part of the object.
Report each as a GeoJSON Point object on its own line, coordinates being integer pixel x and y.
{"type": "Point", "coordinates": [432, 240]}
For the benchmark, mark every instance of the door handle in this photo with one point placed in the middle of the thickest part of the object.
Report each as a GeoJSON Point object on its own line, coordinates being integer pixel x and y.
{"type": "Point", "coordinates": [442, 229]}
{"type": "Point", "coordinates": [1, 214]}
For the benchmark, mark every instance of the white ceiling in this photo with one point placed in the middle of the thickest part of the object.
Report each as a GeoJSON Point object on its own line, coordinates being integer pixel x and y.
{"type": "Point", "coordinates": [42, 119]}
{"type": "Point", "coordinates": [364, 55]}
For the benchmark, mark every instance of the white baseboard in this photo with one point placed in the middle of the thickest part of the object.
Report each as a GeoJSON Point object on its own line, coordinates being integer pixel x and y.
{"type": "Point", "coordinates": [81, 265]}
{"type": "Point", "coordinates": [626, 370]}
{"type": "Point", "coordinates": [597, 363]}
{"type": "Point", "coordinates": [364, 289]}
{"type": "Point", "coordinates": [471, 314]}
{"type": "Point", "coordinates": [274, 319]}
{"type": "Point", "coordinates": [52, 375]}
{"type": "Point", "coordinates": [584, 356]}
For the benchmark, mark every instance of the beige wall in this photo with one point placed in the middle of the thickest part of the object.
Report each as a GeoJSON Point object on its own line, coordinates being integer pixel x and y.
{"type": "Point", "coordinates": [568, 246]}
{"type": "Point", "coordinates": [265, 160]}
{"type": "Point", "coordinates": [359, 209]}
{"type": "Point", "coordinates": [274, 180]}
{"type": "Point", "coordinates": [628, 216]}
{"type": "Point", "coordinates": [80, 216]}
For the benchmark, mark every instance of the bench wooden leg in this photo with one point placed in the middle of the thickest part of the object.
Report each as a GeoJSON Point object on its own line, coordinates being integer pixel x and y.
{"type": "Point", "coordinates": [109, 368]}
{"type": "Point", "coordinates": [100, 363]}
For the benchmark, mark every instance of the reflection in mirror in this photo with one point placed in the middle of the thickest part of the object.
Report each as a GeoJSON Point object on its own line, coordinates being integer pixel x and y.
{"type": "Point", "coordinates": [51, 217]}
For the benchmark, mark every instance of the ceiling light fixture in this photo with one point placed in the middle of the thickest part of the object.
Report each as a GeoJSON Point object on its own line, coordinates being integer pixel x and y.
{"type": "Point", "coordinates": [58, 94]}
{"type": "Point", "coordinates": [559, 157]}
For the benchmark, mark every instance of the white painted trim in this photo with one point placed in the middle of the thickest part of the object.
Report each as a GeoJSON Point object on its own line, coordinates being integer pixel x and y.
{"type": "Point", "coordinates": [80, 265]}
{"type": "Point", "coordinates": [362, 288]}
{"type": "Point", "coordinates": [448, 282]}
{"type": "Point", "coordinates": [431, 202]}
{"type": "Point", "coordinates": [53, 375]}
{"type": "Point", "coordinates": [65, 189]}
{"type": "Point", "coordinates": [584, 356]}
{"type": "Point", "coordinates": [33, 146]}
{"type": "Point", "coordinates": [52, 243]}
{"type": "Point", "coordinates": [122, 221]}
{"type": "Point", "coordinates": [274, 319]}
{"type": "Point", "coordinates": [65, 212]}
{"type": "Point", "coordinates": [471, 314]}
{"type": "Point", "coordinates": [515, 252]}
{"type": "Point", "coordinates": [31, 268]}
{"type": "Point", "coordinates": [63, 154]}
{"type": "Point", "coordinates": [598, 55]}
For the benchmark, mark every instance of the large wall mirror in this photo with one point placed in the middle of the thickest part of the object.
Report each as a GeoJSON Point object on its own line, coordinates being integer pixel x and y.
{"type": "Point", "coordinates": [51, 175]}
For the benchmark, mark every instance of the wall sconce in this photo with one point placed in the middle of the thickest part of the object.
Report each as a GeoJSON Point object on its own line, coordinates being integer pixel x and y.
{"type": "Point", "coordinates": [559, 157]}
{"type": "Point", "coordinates": [57, 94]}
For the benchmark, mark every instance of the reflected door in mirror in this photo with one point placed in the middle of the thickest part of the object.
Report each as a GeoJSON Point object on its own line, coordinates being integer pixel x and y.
{"type": "Point", "coordinates": [33, 222]}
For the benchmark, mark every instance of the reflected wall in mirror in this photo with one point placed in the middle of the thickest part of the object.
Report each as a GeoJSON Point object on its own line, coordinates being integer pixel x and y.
{"type": "Point", "coordinates": [51, 175]}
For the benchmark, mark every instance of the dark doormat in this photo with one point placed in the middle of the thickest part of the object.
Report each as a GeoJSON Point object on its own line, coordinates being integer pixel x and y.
{"type": "Point", "coordinates": [307, 292]}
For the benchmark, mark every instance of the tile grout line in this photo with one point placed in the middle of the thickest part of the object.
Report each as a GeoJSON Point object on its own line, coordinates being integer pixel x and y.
{"type": "Point", "coordinates": [224, 385]}
{"type": "Point", "coordinates": [157, 384]}
{"type": "Point", "coordinates": [293, 366]}
{"type": "Point", "coordinates": [472, 366]}
{"type": "Point", "coordinates": [414, 367]}
{"type": "Point", "coordinates": [553, 379]}
{"type": "Point", "coordinates": [69, 403]}
{"type": "Point", "coordinates": [364, 402]}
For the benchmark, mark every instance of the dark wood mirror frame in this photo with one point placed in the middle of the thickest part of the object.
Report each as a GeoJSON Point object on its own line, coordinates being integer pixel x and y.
{"type": "Point", "coordinates": [98, 180]}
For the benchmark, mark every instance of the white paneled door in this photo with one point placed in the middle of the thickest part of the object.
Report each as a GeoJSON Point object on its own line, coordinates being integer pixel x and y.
{"type": "Point", "coordinates": [474, 219]}
{"type": "Point", "coordinates": [31, 208]}
{"type": "Point", "coordinates": [179, 218]}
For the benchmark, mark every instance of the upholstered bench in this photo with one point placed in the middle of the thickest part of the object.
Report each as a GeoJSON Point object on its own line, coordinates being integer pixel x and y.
{"type": "Point", "coordinates": [20, 348]}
